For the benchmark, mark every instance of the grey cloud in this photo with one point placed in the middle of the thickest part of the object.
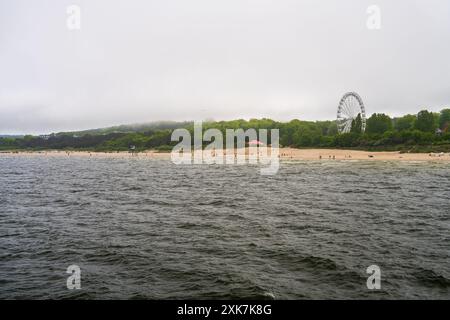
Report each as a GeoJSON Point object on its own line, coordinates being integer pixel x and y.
{"type": "Point", "coordinates": [137, 61]}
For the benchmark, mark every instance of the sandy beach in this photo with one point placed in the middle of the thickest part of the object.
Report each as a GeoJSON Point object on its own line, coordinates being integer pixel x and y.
{"type": "Point", "coordinates": [338, 154]}
{"type": "Point", "coordinates": [284, 154]}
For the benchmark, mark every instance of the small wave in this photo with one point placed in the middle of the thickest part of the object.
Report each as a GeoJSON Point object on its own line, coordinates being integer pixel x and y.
{"type": "Point", "coordinates": [320, 263]}
{"type": "Point", "coordinates": [133, 188]}
{"type": "Point", "coordinates": [212, 203]}
{"type": "Point", "coordinates": [269, 295]}
{"type": "Point", "coordinates": [430, 278]}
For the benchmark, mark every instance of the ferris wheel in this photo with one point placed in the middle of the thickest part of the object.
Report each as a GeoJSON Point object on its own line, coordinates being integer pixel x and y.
{"type": "Point", "coordinates": [350, 106]}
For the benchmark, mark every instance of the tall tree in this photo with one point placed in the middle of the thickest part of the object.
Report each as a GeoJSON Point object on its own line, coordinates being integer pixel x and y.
{"type": "Point", "coordinates": [404, 123]}
{"type": "Point", "coordinates": [332, 129]}
{"type": "Point", "coordinates": [357, 124]}
{"type": "Point", "coordinates": [444, 119]}
{"type": "Point", "coordinates": [425, 121]}
{"type": "Point", "coordinates": [378, 123]}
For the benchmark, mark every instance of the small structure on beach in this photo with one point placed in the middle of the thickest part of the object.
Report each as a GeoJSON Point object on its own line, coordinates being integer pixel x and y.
{"type": "Point", "coordinates": [255, 143]}
{"type": "Point", "coordinates": [132, 149]}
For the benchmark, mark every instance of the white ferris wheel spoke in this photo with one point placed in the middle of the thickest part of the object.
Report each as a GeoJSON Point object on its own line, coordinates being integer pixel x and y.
{"type": "Point", "coordinates": [350, 107]}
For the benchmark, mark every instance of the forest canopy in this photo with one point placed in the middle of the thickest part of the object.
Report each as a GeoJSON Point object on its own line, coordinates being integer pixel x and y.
{"type": "Point", "coordinates": [423, 132]}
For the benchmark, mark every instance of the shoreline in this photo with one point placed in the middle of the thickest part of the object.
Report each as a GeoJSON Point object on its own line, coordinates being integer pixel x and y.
{"type": "Point", "coordinates": [284, 154]}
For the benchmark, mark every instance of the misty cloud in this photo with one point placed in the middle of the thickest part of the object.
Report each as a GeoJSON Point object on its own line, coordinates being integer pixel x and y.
{"type": "Point", "coordinates": [140, 61]}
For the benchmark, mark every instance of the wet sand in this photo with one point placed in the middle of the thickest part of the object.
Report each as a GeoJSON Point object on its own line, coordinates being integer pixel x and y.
{"type": "Point", "coordinates": [338, 154]}
{"type": "Point", "coordinates": [284, 154]}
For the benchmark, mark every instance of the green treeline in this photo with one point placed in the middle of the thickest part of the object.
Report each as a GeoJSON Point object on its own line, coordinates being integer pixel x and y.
{"type": "Point", "coordinates": [423, 132]}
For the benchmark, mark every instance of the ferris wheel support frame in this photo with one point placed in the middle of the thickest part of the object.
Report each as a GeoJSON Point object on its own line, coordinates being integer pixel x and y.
{"type": "Point", "coordinates": [349, 107]}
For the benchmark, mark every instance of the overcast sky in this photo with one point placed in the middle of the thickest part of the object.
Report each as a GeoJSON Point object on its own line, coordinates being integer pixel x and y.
{"type": "Point", "coordinates": [140, 61]}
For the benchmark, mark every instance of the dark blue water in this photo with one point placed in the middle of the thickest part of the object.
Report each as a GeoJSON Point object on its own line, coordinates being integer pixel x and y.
{"type": "Point", "coordinates": [147, 229]}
